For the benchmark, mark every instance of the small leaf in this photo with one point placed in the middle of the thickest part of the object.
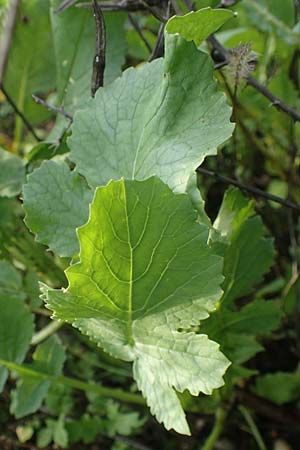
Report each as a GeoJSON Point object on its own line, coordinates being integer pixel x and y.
{"type": "Point", "coordinates": [237, 331]}
{"type": "Point", "coordinates": [279, 387]}
{"type": "Point", "coordinates": [197, 26]}
{"type": "Point", "coordinates": [245, 260]}
{"type": "Point", "coordinates": [10, 281]}
{"type": "Point", "coordinates": [56, 202]}
{"type": "Point", "coordinates": [24, 433]}
{"type": "Point", "coordinates": [60, 435]}
{"type": "Point", "coordinates": [119, 422]}
{"type": "Point", "coordinates": [145, 271]}
{"type": "Point", "coordinates": [12, 174]}
{"type": "Point", "coordinates": [16, 330]}
{"type": "Point", "coordinates": [30, 393]}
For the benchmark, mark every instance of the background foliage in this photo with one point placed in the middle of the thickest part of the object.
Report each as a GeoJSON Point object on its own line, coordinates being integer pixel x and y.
{"type": "Point", "coordinates": [58, 389]}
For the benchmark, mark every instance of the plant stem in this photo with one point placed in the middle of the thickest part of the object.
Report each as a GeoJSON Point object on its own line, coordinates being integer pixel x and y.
{"type": "Point", "coordinates": [115, 393]}
{"type": "Point", "coordinates": [217, 429]}
{"type": "Point", "coordinates": [252, 425]}
{"type": "Point", "coordinates": [45, 332]}
{"type": "Point", "coordinates": [250, 189]}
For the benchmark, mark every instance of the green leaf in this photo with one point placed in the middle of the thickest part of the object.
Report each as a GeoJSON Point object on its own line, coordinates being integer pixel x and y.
{"type": "Point", "coordinates": [128, 132]}
{"type": "Point", "coordinates": [259, 317]}
{"type": "Point", "coordinates": [60, 435]}
{"type": "Point", "coordinates": [16, 330]}
{"type": "Point", "coordinates": [237, 331]}
{"type": "Point", "coordinates": [30, 392]}
{"type": "Point", "coordinates": [145, 271]}
{"type": "Point", "coordinates": [31, 65]}
{"type": "Point", "coordinates": [86, 429]}
{"type": "Point", "coordinates": [197, 26]}
{"type": "Point", "coordinates": [279, 387]}
{"type": "Point", "coordinates": [119, 422]}
{"type": "Point", "coordinates": [24, 433]}
{"type": "Point", "coordinates": [12, 174]}
{"type": "Point", "coordinates": [245, 260]}
{"type": "Point", "coordinates": [10, 281]}
{"type": "Point", "coordinates": [263, 17]}
{"type": "Point", "coordinates": [235, 209]}
{"type": "Point", "coordinates": [56, 202]}
{"type": "Point", "coordinates": [157, 119]}
{"type": "Point", "coordinates": [44, 436]}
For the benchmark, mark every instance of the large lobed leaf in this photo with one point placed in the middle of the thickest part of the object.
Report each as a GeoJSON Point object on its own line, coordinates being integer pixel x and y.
{"type": "Point", "coordinates": [146, 271]}
{"type": "Point", "coordinates": [162, 118]}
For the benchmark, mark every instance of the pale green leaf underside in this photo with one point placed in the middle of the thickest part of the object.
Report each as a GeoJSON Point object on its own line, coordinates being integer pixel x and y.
{"type": "Point", "coordinates": [56, 202]}
{"type": "Point", "coordinates": [197, 26]}
{"type": "Point", "coordinates": [145, 271]}
{"type": "Point", "coordinates": [160, 119]}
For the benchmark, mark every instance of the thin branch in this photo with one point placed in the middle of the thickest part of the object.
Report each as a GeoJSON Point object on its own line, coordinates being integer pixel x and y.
{"type": "Point", "coordinates": [53, 108]}
{"type": "Point", "coordinates": [158, 50]}
{"type": "Point", "coordinates": [227, 3]}
{"type": "Point", "coordinates": [275, 101]}
{"type": "Point", "coordinates": [189, 4]}
{"type": "Point", "coordinates": [6, 35]}
{"type": "Point", "coordinates": [99, 59]}
{"type": "Point", "coordinates": [253, 427]}
{"type": "Point", "coordinates": [154, 11]}
{"type": "Point", "coordinates": [220, 418]}
{"type": "Point", "coordinates": [75, 383]}
{"type": "Point", "coordinates": [129, 6]}
{"type": "Point", "coordinates": [110, 6]}
{"type": "Point", "coordinates": [138, 29]}
{"type": "Point", "coordinates": [176, 8]}
{"type": "Point", "coordinates": [250, 189]}
{"type": "Point", "coordinates": [19, 113]}
{"type": "Point", "coordinates": [47, 331]}
{"type": "Point", "coordinates": [64, 5]}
